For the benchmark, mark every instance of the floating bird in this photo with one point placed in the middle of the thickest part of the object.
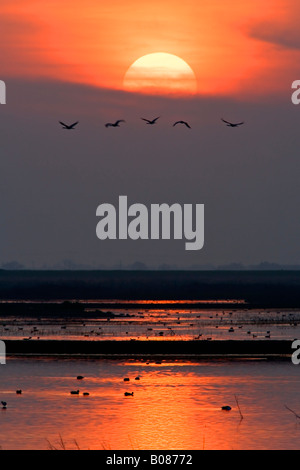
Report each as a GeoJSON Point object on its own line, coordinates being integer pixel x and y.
{"type": "Point", "coordinates": [80, 377]}
{"type": "Point", "coordinates": [4, 404]}
{"type": "Point", "coordinates": [85, 394]}
{"type": "Point", "coordinates": [116, 124]}
{"type": "Point", "coordinates": [19, 392]}
{"type": "Point", "coordinates": [126, 379]}
{"type": "Point", "coordinates": [231, 124]}
{"type": "Point", "coordinates": [148, 121]}
{"type": "Point", "coordinates": [65, 126]}
{"type": "Point", "coordinates": [226, 408]}
{"type": "Point", "coordinates": [128, 394]}
{"type": "Point", "coordinates": [182, 122]}
{"type": "Point", "coordinates": [74, 392]}
{"type": "Point", "coordinates": [137, 378]}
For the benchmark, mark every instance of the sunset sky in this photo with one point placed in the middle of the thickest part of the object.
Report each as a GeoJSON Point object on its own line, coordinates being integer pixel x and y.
{"type": "Point", "coordinates": [233, 47]}
{"type": "Point", "coordinates": [68, 60]}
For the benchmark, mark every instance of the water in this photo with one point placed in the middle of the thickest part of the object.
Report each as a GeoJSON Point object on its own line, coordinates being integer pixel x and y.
{"type": "Point", "coordinates": [175, 406]}
{"type": "Point", "coordinates": [155, 322]}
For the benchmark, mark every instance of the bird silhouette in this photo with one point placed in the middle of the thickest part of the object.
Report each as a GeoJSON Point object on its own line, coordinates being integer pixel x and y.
{"type": "Point", "coordinates": [4, 404]}
{"type": "Point", "coordinates": [148, 121]}
{"type": "Point", "coordinates": [66, 126]}
{"type": "Point", "coordinates": [116, 124]}
{"type": "Point", "coordinates": [231, 124]}
{"type": "Point", "coordinates": [182, 122]}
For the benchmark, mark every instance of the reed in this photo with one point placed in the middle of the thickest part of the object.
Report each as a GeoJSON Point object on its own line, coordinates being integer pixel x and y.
{"type": "Point", "coordinates": [237, 402]}
{"type": "Point", "coordinates": [61, 445]}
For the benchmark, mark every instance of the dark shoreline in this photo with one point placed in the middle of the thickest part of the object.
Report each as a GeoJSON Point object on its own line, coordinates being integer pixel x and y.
{"type": "Point", "coordinates": [259, 289]}
{"type": "Point", "coordinates": [152, 348]}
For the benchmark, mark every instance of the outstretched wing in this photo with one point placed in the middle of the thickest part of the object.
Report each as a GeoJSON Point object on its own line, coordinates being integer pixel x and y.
{"type": "Point", "coordinates": [63, 124]}
{"type": "Point", "coordinates": [227, 122]}
{"type": "Point", "coordinates": [147, 120]}
{"type": "Point", "coordinates": [182, 122]}
{"type": "Point", "coordinates": [74, 124]}
{"type": "Point", "coordinates": [232, 124]}
{"type": "Point", "coordinates": [120, 120]}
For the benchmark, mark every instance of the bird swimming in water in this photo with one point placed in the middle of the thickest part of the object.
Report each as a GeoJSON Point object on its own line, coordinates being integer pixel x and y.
{"type": "Point", "coordinates": [4, 404]}
{"type": "Point", "coordinates": [231, 124]}
{"type": "Point", "coordinates": [226, 408]}
{"type": "Point", "coordinates": [182, 122]}
{"type": "Point", "coordinates": [116, 124]}
{"type": "Point", "coordinates": [148, 121]}
{"type": "Point", "coordinates": [80, 377]}
{"type": "Point", "coordinates": [74, 392]}
{"type": "Point", "coordinates": [66, 126]}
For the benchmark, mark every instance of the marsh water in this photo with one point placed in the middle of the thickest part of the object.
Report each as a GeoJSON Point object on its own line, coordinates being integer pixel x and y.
{"type": "Point", "coordinates": [175, 405]}
{"type": "Point", "coordinates": [169, 404]}
{"type": "Point", "coordinates": [151, 320]}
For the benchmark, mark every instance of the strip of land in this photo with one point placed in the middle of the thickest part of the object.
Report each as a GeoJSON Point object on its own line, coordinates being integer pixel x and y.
{"type": "Point", "coordinates": [151, 348]}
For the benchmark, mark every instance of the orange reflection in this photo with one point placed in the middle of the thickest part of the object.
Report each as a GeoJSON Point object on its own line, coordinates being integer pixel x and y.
{"type": "Point", "coordinates": [175, 405]}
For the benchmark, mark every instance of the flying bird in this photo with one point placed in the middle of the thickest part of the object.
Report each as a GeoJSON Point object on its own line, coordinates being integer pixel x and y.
{"type": "Point", "coordinates": [148, 121]}
{"type": "Point", "coordinates": [65, 126]}
{"type": "Point", "coordinates": [182, 122]}
{"type": "Point", "coordinates": [230, 124]}
{"type": "Point", "coordinates": [116, 124]}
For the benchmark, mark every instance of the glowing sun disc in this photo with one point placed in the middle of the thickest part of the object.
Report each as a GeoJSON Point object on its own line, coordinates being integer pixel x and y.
{"type": "Point", "coordinates": [160, 73]}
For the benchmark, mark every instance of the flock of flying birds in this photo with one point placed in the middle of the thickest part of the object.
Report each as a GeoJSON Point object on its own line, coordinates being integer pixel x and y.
{"type": "Point", "coordinates": [148, 121]}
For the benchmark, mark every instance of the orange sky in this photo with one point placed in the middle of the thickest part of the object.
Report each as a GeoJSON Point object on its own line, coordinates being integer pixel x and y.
{"type": "Point", "coordinates": [231, 46]}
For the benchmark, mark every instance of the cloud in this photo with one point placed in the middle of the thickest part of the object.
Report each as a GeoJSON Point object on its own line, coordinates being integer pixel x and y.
{"type": "Point", "coordinates": [285, 36]}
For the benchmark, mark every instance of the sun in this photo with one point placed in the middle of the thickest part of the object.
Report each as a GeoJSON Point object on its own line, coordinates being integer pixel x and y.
{"type": "Point", "coordinates": [160, 73]}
